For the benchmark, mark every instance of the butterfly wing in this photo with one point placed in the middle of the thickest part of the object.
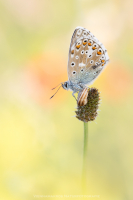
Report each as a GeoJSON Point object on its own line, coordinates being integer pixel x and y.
{"type": "Point", "coordinates": [87, 57]}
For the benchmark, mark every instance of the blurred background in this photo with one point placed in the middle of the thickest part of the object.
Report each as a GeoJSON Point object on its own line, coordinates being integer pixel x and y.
{"type": "Point", "coordinates": [41, 142]}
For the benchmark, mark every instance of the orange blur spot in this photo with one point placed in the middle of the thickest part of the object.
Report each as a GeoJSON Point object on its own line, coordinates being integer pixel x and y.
{"type": "Point", "coordinates": [43, 73]}
{"type": "Point", "coordinates": [89, 44]}
{"type": "Point", "coordinates": [103, 64]}
{"type": "Point", "coordinates": [102, 61]}
{"type": "Point", "coordinates": [93, 48]}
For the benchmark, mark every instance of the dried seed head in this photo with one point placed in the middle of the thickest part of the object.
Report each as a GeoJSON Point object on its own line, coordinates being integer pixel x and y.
{"type": "Point", "coordinates": [88, 112]}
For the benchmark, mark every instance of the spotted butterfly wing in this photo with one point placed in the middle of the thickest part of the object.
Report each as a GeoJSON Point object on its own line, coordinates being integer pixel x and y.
{"type": "Point", "coordinates": [87, 57]}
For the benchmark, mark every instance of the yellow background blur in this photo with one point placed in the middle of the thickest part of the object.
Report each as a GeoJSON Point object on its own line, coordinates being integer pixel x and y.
{"type": "Point", "coordinates": [41, 143]}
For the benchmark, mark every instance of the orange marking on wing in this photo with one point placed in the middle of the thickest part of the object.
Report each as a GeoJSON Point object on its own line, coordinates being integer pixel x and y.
{"type": "Point", "coordinates": [89, 44]}
{"type": "Point", "coordinates": [102, 64]}
{"type": "Point", "coordinates": [72, 52]}
{"type": "Point", "coordinates": [102, 61]}
{"type": "Point", "coordinates": [99, 53]}
{"type": "Point", "coordinates": [93, 48]}
{"type": "Point", "coordinates": [78, 46]}
{"type": "Point", "coordinates": [84, 43]}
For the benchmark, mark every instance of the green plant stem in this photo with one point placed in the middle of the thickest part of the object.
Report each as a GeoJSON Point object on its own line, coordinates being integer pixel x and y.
{"type": "Point", "coordinates": [84, 173]}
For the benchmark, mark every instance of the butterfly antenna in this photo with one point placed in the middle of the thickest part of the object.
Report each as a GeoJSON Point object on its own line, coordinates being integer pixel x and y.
{"type": "Point", "coordinates": [56, 86]}
{"type": "Point", "coordinates": [56, 92]}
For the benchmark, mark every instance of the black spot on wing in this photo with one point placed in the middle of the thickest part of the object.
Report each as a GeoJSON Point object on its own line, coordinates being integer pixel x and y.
{"type": "Point", "coordinates": [94, 67]}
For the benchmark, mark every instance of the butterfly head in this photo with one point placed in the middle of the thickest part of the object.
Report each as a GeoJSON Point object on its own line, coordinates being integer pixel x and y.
{"type": "Point", "coordinates": [66, 85]}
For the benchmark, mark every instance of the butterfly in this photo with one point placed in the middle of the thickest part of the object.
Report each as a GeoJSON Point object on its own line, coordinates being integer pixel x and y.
{"type": "Point", "coordinates": [86, 60]}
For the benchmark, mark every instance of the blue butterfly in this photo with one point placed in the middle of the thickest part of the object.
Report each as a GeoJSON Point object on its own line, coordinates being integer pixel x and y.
{"type": "Point", "coordinates": [87, 59]}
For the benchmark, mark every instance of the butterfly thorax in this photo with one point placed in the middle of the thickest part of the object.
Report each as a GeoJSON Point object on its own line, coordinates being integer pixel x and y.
{"type": "Point", "coordinates": [75, 87]}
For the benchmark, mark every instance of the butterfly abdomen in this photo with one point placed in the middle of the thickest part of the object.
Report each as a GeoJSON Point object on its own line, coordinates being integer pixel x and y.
{"type": "Point", "coordinates": [82, 97]}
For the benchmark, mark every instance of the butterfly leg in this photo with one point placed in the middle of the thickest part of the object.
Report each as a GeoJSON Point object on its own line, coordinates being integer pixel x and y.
{"type": "Point", "coordinates": [74, 95]}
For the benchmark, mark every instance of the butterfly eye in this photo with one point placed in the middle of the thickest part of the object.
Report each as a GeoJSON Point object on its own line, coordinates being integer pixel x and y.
{"type": "Point", "coordinates": [94, 46]}
{"type": "Point", "coordinates": [99, 51]}
{"type": "Point", "coordinates": [90, 42]}
{"type": "Point", "coordinates": [66, 84]}
{"type": "Point", "coordinates": [73, 72]}
{"type": "Point", "coordinates": [77, 57]}
{"type": "Point", "coordinates": [82, 52]}
{"type": "Point", "coordinates": [91, 61]}
{"type": "Point", "coordinates": [73, 64]}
